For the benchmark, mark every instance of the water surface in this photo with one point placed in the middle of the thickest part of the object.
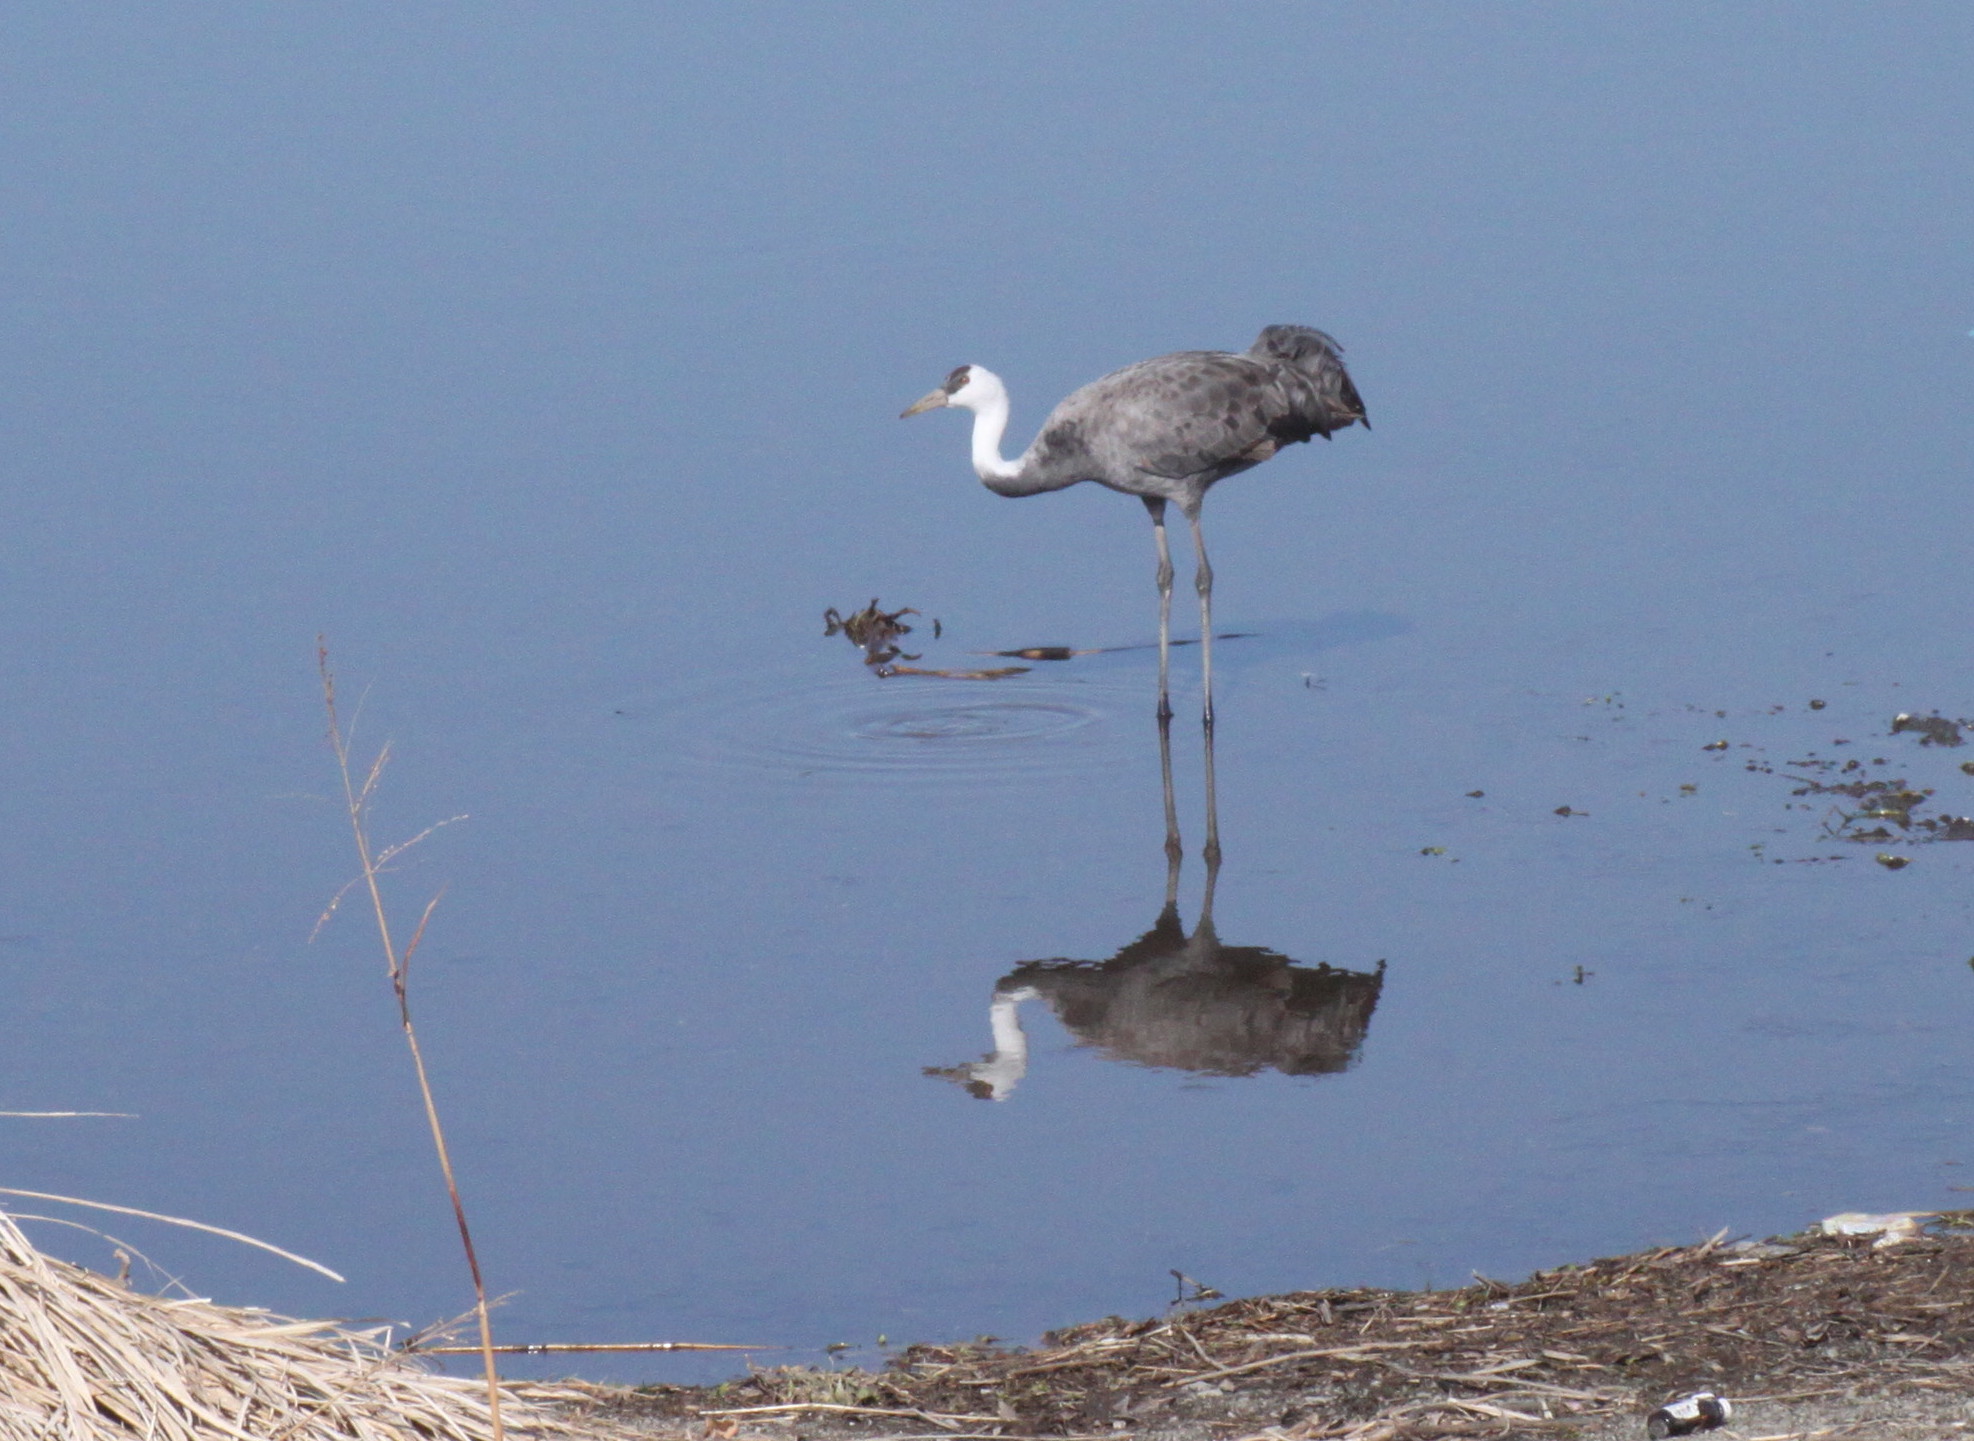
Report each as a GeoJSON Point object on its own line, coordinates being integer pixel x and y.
{"type": "Point", "coordinates": [548, 366]}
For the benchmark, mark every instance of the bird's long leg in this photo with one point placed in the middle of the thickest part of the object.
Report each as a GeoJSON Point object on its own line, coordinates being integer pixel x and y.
{"type": "Point", "coordinates": [1212, 850]}
{"type": "Point", "coordinates": [1157, 508]}
{"type": "Point", "coordinates": [1203, 583]}
{"type": "Point", "coordinates": [1204, 926]}
{"type": "Point", "coordinates": [1173, 850]}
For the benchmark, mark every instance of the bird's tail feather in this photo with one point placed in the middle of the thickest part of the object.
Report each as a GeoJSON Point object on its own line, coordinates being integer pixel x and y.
{"type": "Point", "coordinates": [1317, 359]}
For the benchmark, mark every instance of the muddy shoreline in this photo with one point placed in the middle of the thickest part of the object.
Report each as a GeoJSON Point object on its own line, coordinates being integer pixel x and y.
{"type": "Point", "coordinates": [1810, 1336]}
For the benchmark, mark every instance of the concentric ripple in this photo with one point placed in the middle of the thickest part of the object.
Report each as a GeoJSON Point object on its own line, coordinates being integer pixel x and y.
{"type": "Point", "coordinates": [908, 728]}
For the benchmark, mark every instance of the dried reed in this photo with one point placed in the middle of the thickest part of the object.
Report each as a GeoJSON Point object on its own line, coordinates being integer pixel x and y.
{"type": "Point", "coordinates": [357, 799]}
{"type": "Point", "coordinates": [85, 1358]}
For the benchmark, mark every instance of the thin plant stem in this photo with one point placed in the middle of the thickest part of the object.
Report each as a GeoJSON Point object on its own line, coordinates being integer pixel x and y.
{"type": "Point", "coordinates": [175, 1221]}
{"type": "Point", "coordinates": [357, 800]}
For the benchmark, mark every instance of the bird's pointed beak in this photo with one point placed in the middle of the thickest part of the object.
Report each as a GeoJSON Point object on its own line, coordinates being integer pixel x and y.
{"type": "Point", "coordinates": [930, 402]}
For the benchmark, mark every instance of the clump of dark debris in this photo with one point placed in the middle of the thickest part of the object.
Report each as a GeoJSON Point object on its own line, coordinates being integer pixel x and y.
{"type": "Point", "coordinates": [876, 632]}
{"type": "Point", "coordinates": [1571, 1351]}
{"type": "Point", "coordinates": [1932, 730]}
{"type": "Point", "coordinates": [1882, 803]}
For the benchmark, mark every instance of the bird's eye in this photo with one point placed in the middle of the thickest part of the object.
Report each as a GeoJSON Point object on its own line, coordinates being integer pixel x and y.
{"type": "Point", "coordinates": [958, 379]}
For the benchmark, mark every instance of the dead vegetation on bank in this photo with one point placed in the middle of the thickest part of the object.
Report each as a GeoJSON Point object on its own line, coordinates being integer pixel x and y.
{"type": "Point", "coordinates": [1577, 1350]}
{"type": "Point", "coordinates": [1869, 1333]}
{"type": "Point", "coordinates": [84, 1357]}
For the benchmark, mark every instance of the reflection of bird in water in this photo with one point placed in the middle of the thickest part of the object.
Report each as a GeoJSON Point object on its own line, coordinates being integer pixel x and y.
{"type": "Point", "coordinates": [1183, 1001]}
{"type": "Point", "coordinates": [1164, 430]}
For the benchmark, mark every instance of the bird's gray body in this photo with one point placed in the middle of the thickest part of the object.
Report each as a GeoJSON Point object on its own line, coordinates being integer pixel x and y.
{"type": "Point", "coordinates": [1168, 428]}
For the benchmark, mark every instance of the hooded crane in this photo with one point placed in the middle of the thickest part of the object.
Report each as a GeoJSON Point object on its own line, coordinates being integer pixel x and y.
{"type": "Point", "coordinates": [1165, 430]}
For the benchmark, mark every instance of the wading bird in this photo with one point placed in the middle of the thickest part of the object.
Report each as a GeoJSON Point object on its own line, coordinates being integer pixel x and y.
{"type": "Point", "coordinates": [1165, 430]}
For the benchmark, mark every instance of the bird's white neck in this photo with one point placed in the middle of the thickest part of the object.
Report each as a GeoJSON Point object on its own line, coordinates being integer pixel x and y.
{"type": "Point", "coordinates": [990, 423]}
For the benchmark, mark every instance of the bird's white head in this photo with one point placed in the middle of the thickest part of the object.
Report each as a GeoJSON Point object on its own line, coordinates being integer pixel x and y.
{"type": "Point", "coordinates": [971, 387]}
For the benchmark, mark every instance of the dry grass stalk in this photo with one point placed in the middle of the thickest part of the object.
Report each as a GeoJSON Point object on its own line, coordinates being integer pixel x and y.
{"type": "Point", "coordinates": [85, 1358]}
{"type": "Point", "coordinates": [571, 1348]}
{"type": "Point", "coordinates": [239, 1236]}
{"type": "Point", "coordinates": [357, 799]}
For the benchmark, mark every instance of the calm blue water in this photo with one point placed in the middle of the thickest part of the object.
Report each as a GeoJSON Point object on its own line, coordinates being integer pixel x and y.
{"type": "Point", "coordinates": [549, 366]}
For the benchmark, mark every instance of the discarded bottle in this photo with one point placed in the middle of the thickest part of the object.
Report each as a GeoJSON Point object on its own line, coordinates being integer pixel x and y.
{"type": "Point", "coordinates": [1702, 1411]}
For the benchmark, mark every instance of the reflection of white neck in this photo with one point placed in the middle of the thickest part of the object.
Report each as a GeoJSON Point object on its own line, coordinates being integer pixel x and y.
{"type": "Point", "coordinates": [990, 423]}
{"type": "Point", "coordinates": [1002, 1071]}
{"type": "Point", "coordinates": [995, 1075]}
{"type": "Point", "coordinates": [1004, 1019]}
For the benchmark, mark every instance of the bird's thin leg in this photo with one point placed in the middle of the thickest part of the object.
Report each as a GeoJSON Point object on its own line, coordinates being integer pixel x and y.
{"type": "Point", "coordinates": [1212, 850]}
{"type": "Point", "coordinates": [1204, 926]}
{"type": "Point", "coordinates": [1157, 509]}
{"type": "Point", "coordinates": [1173, 850]}
{"type": "Point", "coordinates": [1203, 583]}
